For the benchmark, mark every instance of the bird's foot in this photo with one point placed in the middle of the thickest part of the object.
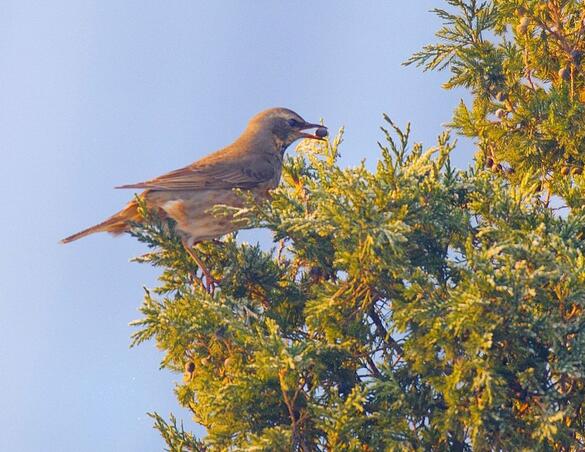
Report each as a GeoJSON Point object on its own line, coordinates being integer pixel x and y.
{"type": "Point", "coordinates": [210, 282]}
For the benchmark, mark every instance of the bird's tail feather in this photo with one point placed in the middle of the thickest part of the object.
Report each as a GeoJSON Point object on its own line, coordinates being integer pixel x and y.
{"type": "Point", "coordinates": [116, 224]}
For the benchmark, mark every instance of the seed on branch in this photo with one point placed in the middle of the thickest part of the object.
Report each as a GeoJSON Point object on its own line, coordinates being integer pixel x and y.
{"type": "Point", "coordinates": [565, 170]}
{"type": "Point", "coordinates": [577, 170]}
{"type": "Point", "coordinates": [521, 11]}
{"type": "Point", "coordinates": [565, 73]}
{"type": "Point", "coordinates": [501, 97]}
{"type": "Point", "coordinates": [501, 113]}
{"type": "Point", "coordinates": [522, 27]}
{"type": "Point", "coordinates": [576, 56]}
{"type": "Point", "coordinates": [520, 264]}
{"type": "Point", "coordinates": [229, 362]}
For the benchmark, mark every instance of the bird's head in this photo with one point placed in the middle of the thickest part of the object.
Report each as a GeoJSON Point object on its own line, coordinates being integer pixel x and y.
{"type": "Point", "coordinates": [284, 125]}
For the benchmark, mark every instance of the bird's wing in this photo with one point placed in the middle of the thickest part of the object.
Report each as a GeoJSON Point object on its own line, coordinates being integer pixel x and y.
{"type": "Point", "coordinates": [215, 173]}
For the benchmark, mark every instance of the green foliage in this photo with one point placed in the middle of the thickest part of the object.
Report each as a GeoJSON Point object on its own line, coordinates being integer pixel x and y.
{"type": "Point", "coordinates": [412, 307]}
{"type": "Point", "coordinates": [174, 436]}
{"type": "Point", "coordinates": [523, 61]}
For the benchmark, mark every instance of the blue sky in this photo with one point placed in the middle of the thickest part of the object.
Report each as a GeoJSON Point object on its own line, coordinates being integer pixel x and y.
{"type": "Point", "coordinates": [99, 93]}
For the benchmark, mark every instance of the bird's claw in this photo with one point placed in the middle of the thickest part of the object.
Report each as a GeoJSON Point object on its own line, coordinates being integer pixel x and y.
{"type": "Point", "coordinates": [210, 282]}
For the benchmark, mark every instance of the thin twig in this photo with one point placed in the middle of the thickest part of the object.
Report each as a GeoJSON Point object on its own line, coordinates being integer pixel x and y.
{"type": "Point", "coordinates": [383, 333]}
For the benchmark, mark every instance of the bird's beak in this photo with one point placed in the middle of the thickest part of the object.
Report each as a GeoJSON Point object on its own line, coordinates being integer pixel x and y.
{"type": "Point", "coordinates": [308, 125]}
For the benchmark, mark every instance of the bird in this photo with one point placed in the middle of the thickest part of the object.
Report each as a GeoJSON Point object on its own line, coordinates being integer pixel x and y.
{"type": "Point", "coordinates": [253, 162]}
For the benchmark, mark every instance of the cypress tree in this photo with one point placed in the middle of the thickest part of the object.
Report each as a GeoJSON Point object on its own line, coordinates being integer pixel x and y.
{"type": "Point", "coordinates": [417, 306]}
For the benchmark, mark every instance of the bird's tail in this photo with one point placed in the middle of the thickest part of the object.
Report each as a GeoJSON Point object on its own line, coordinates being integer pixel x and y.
{"type": "Point", "coordinates": [116, 224]}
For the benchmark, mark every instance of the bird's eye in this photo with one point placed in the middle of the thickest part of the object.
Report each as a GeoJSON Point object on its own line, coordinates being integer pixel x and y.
{"type": "Point", "coordinates": [293, 122]}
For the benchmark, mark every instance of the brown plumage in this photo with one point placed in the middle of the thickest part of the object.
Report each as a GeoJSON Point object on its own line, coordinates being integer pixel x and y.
{"type": "Point", "coordinates": [253, 162]}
